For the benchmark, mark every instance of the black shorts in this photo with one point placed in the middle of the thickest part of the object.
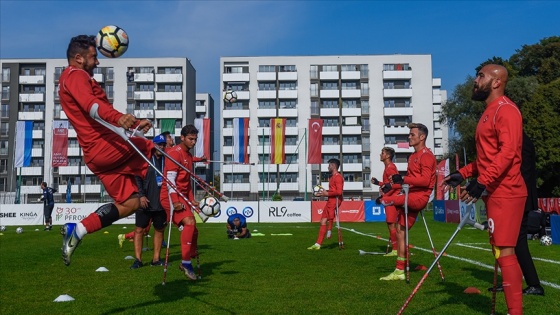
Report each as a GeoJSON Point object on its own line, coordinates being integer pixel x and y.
{"type": "Point", "coordinates": [47, 210]}
{"type": "Point", "coordinates": [158, 218]}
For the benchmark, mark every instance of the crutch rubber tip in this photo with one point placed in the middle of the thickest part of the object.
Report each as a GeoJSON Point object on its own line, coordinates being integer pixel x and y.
{"type": "Point", "coordinates": [420, 267]}
{"type": "Point", "coordinates": [471, 290]}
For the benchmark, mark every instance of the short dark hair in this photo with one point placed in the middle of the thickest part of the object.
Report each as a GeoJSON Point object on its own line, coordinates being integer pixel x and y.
{"type": "Point", "coordinates": [79, 45]}
{"type": "Point", "coordinates": [44, 184]}
{"type": "Point", "coordinates": [335, 161]}
{"type": "Point", "coordinates": [389, 151]}
{"type": "Point", "coordinates": [189, 130]}
{"type": "Point", "coordinates": [421, 128]}
{"type": "Point", "coordinates": [166, 133]}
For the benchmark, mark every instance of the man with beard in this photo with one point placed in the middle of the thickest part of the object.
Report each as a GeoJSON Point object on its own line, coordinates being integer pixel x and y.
{"type": "Point", "coordinates": [498, 136]}
{"type": "Point", "coordinates": [106, 154]}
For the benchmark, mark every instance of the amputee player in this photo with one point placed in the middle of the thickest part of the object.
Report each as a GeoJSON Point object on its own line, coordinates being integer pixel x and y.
{"type": "Point", "coordinates": [385, 187]}
{"type": "Point", "coordinates": [334, 194]}
{"type": "Point", "coordinates": [499, 138]}
{"type": "Point", "coordinates": [182, 213]}
{"type": "Point", "coordinates": [421, 176]}
{"type": "Point", "coordinates": [237, 227]}
{"type": "Point", "coordinates": [106, 154]}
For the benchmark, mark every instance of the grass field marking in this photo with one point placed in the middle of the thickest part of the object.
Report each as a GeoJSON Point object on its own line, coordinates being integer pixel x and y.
{"type": "Point", "coordinates": [534, 258]}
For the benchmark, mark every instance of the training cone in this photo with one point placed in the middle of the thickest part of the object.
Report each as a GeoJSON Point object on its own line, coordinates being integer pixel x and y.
{"type": "Point", "coordinates": [471, 290]}
{"type": "Point", "coordinates": [129, 258]}
{"type": "Point", "coordinates": [420, 267]}
{"type": "Point", "coordinates": [124, 227]}
{"type": "Point", "coordinates": [64, 298]}
{"type": "Point", "coordinates": [106, 232]}
{"type": "Point", "coordinates": [102, 269]}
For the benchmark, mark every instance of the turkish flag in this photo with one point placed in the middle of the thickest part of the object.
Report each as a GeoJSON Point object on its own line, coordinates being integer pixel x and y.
{"type": "Point", "coordinates": [315, 141]}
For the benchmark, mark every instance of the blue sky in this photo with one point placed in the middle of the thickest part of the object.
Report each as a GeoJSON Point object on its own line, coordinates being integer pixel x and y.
{"type": "Point", "coordinates": [458, 34]}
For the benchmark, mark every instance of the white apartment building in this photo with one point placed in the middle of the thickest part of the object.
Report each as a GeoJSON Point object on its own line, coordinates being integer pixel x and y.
{"type": "Point", "coordinates": [160, 89]}
{"type": "Point", "coordinates": [365, 102]}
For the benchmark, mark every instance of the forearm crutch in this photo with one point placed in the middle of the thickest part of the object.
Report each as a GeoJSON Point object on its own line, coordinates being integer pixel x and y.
{"type": "Point", "coordinates": [340, 242]}
{"type": "Point", "coordinates": [207, 187]}
{"type": "Point", "coordinates": [466, 220]}
{"type": "Point", "coordinates": [405, 188]}
{"type": "Point", "coordinates": [432, 243]}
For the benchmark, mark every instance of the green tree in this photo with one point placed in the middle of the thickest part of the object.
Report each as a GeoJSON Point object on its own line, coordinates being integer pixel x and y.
{"type": "Point", "coordinates": [541, 60]}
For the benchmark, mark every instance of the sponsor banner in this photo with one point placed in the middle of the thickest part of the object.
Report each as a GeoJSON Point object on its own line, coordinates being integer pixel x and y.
{"type": "Point", "coordinates": [18, 214]}
{"type": "Point", "coordinates": [249, 209]}
{"type": "Point", "coordinates": [439, 210]}
{"type": "Point", "coordinates": [284, 211]}
{"type": "Point", "coordinates": [349, 211]}
{"type": "Point", "coordinates": [555, 228]}
{"type": "Point", "coordinates": [374, 212]}
{"type": "Point", "coordinates": [60, 143]}
{"type": "Point", "coordinates": [452, 212]}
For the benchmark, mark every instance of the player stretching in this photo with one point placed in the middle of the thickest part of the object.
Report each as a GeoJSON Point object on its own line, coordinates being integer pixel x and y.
{"type": "Point", "coordinates": [182, 213]}
{"type": "Point", "coordinates": [421, 176]}
{"type": "Point", "coordinates": [334, 194]}
{"type": "Point", "coordinates": [106, 154]}
{"type": "Point", "coordinates": [498, 137]}
{"type": "Point", "coordinates": [386, 157]}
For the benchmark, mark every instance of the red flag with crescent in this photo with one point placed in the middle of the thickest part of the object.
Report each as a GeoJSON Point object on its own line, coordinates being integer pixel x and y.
{"type": "Point", "coordinates": [315, 141]}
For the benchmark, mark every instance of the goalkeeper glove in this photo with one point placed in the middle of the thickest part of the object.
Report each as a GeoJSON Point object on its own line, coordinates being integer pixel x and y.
{"type": "Point", "coordinates": [385, 188]}
{"type": "Point", "coordinates": [475, 189]}
{"type": "Point", "coordinates": [454, 179]}
{"type": "Point", "coordinates": [397, 179]}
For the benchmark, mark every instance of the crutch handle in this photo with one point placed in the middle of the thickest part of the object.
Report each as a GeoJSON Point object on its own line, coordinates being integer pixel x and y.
{"type": "Point", "coordinates": [93, 112]}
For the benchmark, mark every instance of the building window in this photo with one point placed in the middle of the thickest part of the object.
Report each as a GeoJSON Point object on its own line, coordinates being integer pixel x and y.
{"type": "Point", "coordinates": [290, 68]}
{"type": "Point", "coordinates": [4, 147]}
{"type": "Point", "coordinates": [5, 92]}
{"type": "Point", "coordinates": [288, 103]}
{"type": "Point", "coordinates": [329, 86]}
{"type": "Point", "coordinates": [329, 103]}
{"type": "Point", "coordinates": [314, 72]}
{"type": "Point", "coordinates": [264, 122]}
{"type": "Point", "coordinates": [267, 68]}
{"type": "Point", "coordinates": [5, 74]}
{"type": "Point", "coordinates": [315, 110]}
{"type": "Point", "coordinates": [4, 110]}
{"type": "Point", "coordinates": [396, 67]}
{"type": "Point", "coordinates": [330, 140]}
{"type": "Point", "coordinates": [348, 68]}
{"type": "Point", "coordinates": [288, 86]}
{"type": "Point", "coordinates": [110, 74]}
{"type": "Point", "coordinates": [267, 86]}
{"type": "Point", "coordinates": [330, 68]}
{"type": "Point", "coordinates": [267, 104]}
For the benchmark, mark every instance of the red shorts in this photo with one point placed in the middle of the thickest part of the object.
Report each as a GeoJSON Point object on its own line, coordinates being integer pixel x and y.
{"type": "Point", "coordinates": [416, 201]}
{"type": "Point", "coordinates": [328, 213]}
{"type": "Point", "coordinates": [504, 219]}
{"type": "Point", "coordinates": [178, 215]}
{"type": "Point", "coordinates": [412, 215]}
{"type": "Point", "coordinates": [391, 214]}
{"type": "Point", "coordinates": [117, 171]}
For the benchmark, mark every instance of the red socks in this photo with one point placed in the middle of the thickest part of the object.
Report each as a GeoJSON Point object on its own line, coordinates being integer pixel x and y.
{"type": "Point", "coordinates": [322, 232]}
{"type": "Point", "coordinates": [186, 241]}
{"type": "Point", "coordinates": [393, 238]}
{"type": "Point", "coordinates": [194, 245]}
{"type": "Point", "coordinates": [92, 223]}
{"type": "Point", "coordinates": [512, 282]}
{"type": "Point", "coordinates": [400, 263]}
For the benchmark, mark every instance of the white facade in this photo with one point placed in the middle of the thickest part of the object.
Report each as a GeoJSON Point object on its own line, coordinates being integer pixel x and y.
{"type": "Point", "coordinates": [365, 102]}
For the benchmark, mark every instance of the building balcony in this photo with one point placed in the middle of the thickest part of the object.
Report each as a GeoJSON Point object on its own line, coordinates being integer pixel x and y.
{"type": "Point", "coordinates": [98, 77]}
{"type": "Point", "coordinates": [236, 168]}
{"type": "Point", "coordinates": [330, 112]}
{"type": "Point", "coordinates": [268, 168]}
{"type": "Point", "coordinates": [31, 116]}
{"type": "Point", "coordinates": [398, 111]}
{"type": "Point", "coordinates": [438, 151]}
{"type": "Point", "coordinates": [351, 93]}
{"type": "Point", "coordinates": [288, 94]}
{"type": "Point", "coordinates": [436, 99]}
{"type": "Point", "coordinates": [235, 77]}
{"type": "Point", "coordinates": [243, 95]}
{"type": "Point", "coordinates": [228, 150]}
{"type": "Point", "coordinates": [438, 134]}
{"type": "Point", "coordinates": [266, 186]}
{"type": "Point", "coordinates": [266, 112]}
{"type": "Point", "coordinates": [169, 77]}
{"type": "Point", "coordinates": [350, 75]}
{"type": "Point", "coordinates": [436, 82]}
{"type": "Point", "coordinates": [287, 112]}
{"type": "Point", "coordinates": [236, 186]}
{"type": "Point", "coordinates": [351, 130]}
{"type": "Point", "coordinates": [176, 114]}
{"type": "Point", "coordinates": [201, 109]}
{"type": "Point", "coordinates": [37, 152]}
{"type": "Point", "coordinates": [38, 134]}
{"type": "Point", "coordinates": [144, 113]}
{"type": "Point", "coordinates": [350, 186]}
{"type": "Point", "coordinates": [32, 97]}
{"type": "Point", "coordinates": [400, 150]}
{"type": "Point", "coordinates": [32, 171]}
{"type": "Point", "coordinates": [30, 190]}
{"type": "Point", "coordinates": [287, 76]}
{"type": "Point", "coordinates": [352, 148]}
{"type": "Point", "coordinates": [73, 170]}
{"type": "Point", "coordinates": [401, 167]}
{"type": "Point", "coordinates": [396, 130]}
{"type": "Point", "coordinates": [266, 94]}
{"type": "Point", "coordinates": [391, 74]}
{"type": "Point", "coordinates": [331, 130]}
{"type": "Point", "coordinates": [329, 93]}
{"type": "Point", "coordinates": [143, 77]}
{"type": "Point", "coordinates": [292, 131]}
{"type": "Point", "coordinates": [437, 108]}
{"type": "Point", "coordinates": [74, 151]}
{"type": "Point", "coordinates": [397, 93]}
{"type": "Point", "coordinates": [88, 189]}
{"type": "Point", "coordinates": [266, 76]}
{"type": "Point", "coordinates": [328, 75]}
{"type": "Point", "coordinates": [144, 95]}
{"type": "Point", "coordinates": [351, 112]}
{"type": "Point", "coordinates": [31, 79]}
{"type": "Point", "coordinates": [63, 115]}
{"type": "Point", "coordinates": [330, 148]}
{"type": "Point", "coordinates": [169, 96]}
{"type": "Point", "coordinates": [352, 167]}
{"type": "Point", "coordinates": [236, 113]}
{"type": "Point", "coordinates": [289, 187]}
{"type": "Point", "coordinates": [291, 168]}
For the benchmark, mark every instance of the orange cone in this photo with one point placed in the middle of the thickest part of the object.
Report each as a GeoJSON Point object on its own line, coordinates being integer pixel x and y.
{"type": "Point", "coordinates": [471, 290]}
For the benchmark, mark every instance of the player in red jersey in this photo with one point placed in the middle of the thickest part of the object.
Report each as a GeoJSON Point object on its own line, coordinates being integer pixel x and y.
{"type": "Point", "coordinates": [334, 194]}
{"type": "Point", "coordinates": [421, 176]}
{"type": "Point", "coordinates": [499, 138]}
{"type": "Point", "coordinates": [385, 188]}
{"type": "Point", "coordinates": [182, 213]}
{"type": "Point", "coordinates": [106, 154]}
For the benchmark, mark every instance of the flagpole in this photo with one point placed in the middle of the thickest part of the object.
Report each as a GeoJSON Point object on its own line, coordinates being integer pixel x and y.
{"type": "Point", "coordinates": [306, 164]}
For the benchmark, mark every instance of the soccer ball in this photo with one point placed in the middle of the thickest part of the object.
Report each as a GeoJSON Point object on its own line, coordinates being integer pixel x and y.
{"type": "Point", "coordinates": [19, 230]}
{"type": "Point", "coordinates": [546, 240]}
{"type": "Point", "coordinates": [210, 206]}
{"type": "Point", "coordinates": [2, 228]}
{"type": "Point", "coordinates": [112, 41]}
{"type": "Point", "coordinates": [317, 189]}
{"type": "Point", "coordinates": [230, 96]}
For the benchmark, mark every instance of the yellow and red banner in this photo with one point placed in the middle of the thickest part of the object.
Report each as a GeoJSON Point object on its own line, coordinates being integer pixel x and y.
{"type": "Point", "coordinates": [278, 140]}
{"type": "Point", "coordinates": [315, 141]}
{"type": "Point", "coordinates": [60, 143]}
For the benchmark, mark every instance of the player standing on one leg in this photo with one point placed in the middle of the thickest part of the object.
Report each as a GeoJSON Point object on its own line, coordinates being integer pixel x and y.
{"type": "Point", "coordinates": [498, 137]}
{"type": "Point", "coordinates": [182, 213]}
{"type": "Point", "coordinates": [385, 188]}
{"type": "Point", "coordinates": [106, 154]}
{"type": "Point", "coordinates": [48, 205]}
{"type": "Point", "coordinates": [334, 194]}
{"type": "Point", "coordinates": [421, 177]}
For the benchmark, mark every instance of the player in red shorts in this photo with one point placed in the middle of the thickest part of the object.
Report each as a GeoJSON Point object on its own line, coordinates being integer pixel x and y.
{"type": "Point", "coordinates": [385, 187]}
{"type": "Point", "coordinates": [498, 137]}
{"type": "Point", "coordinates": [182, 213]}
{"type": "Point", "coordinates": [421, 176]}
{"type": "Point", "coordinates": [334, 194]}
{"type": "Point", "coordinates": [106, 154]}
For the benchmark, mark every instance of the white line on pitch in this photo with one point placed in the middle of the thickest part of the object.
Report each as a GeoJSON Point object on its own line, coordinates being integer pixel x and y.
{"type": "Point", "coordinates": [474, 262]}
{"type": "Point", "coordinates": [534, 258]}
